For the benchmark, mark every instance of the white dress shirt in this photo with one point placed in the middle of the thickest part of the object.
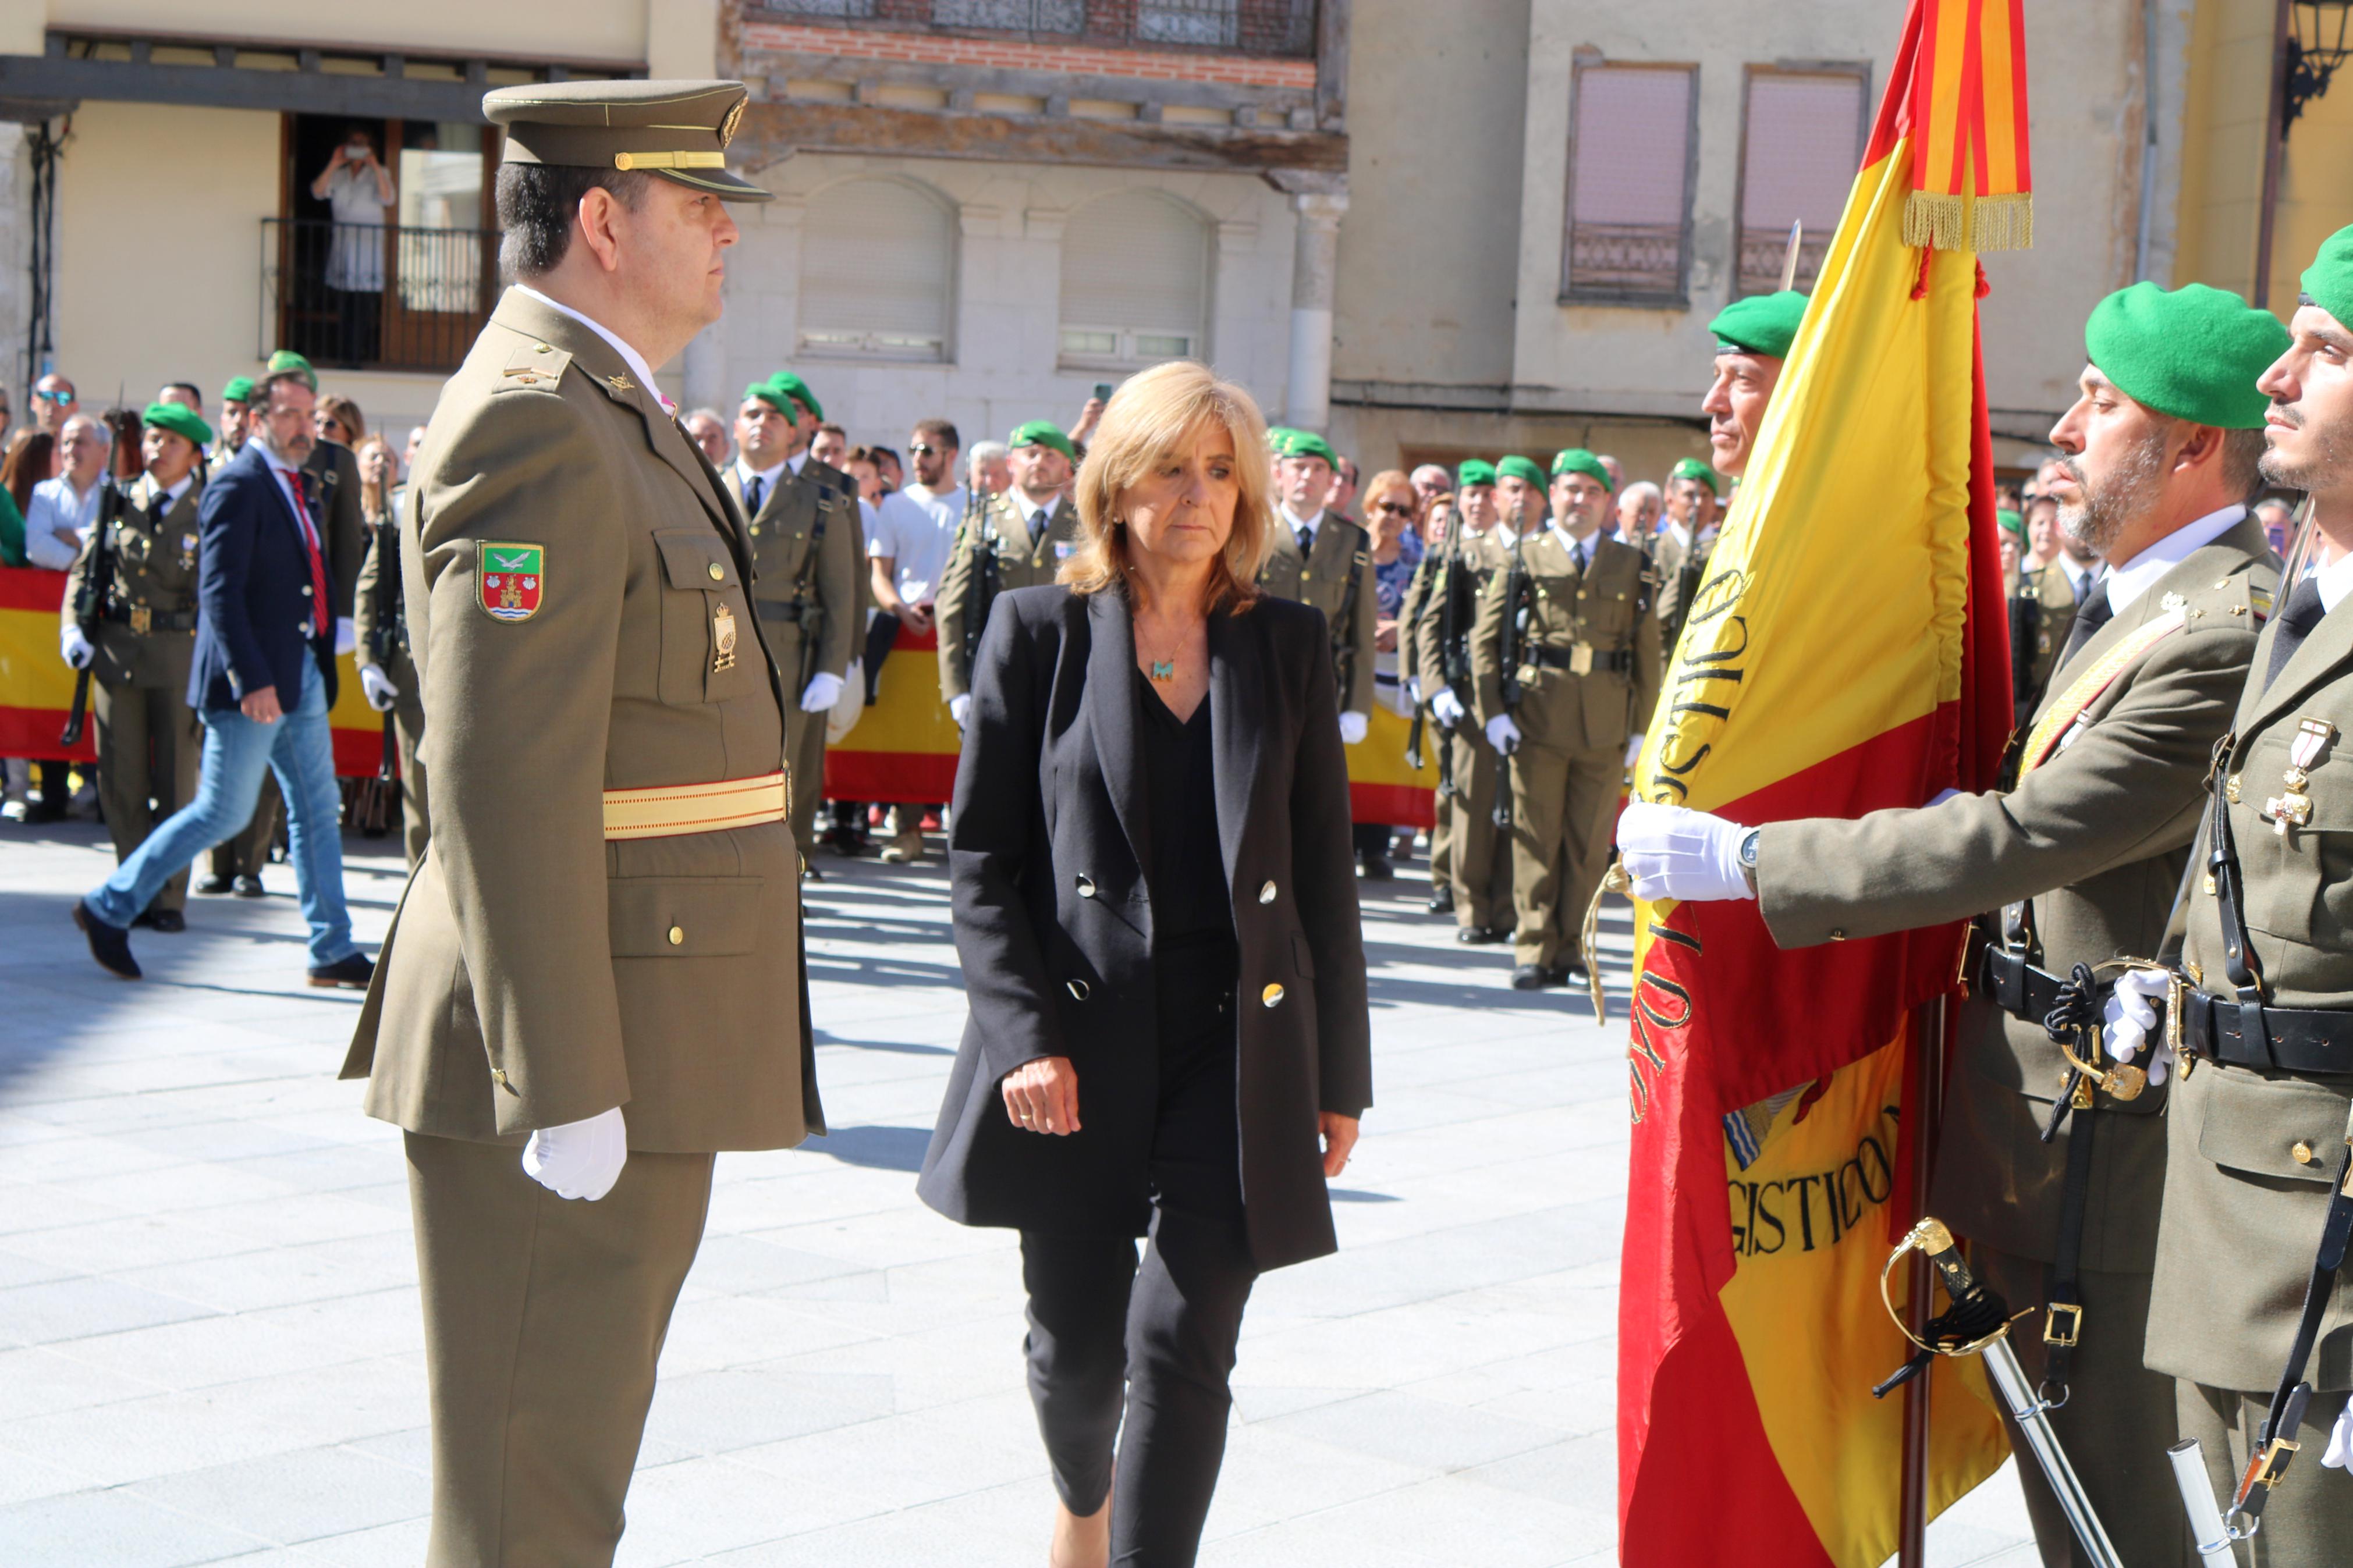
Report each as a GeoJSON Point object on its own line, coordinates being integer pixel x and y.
{"type": "Point", "coordinates": [2336, 580]}
{"type": "Point", "coordinates": [746, 474]}
{"type": "Point", "coordinates": [2131, 580]}
{"type": "Point", "coordinates": [1299, 525]}
{"type": "Point", "coordinates": [55, 509]}
{"type": "Point", "coordinates": [629, 356]}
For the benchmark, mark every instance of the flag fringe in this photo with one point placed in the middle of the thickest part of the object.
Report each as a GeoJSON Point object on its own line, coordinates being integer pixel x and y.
{"type": "Point", "coordinates": [1979, 224]}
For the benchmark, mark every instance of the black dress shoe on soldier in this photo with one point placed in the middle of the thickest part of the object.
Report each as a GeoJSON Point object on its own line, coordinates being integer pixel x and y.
{"type": "Point", "coordinates": [1532, 977]}
{"type": "Point", "coordinates": [216, 886]}
{"type": "Point", "coordinates": [1481, 936]}
{"type": "Point", "coordinates": [1441, 902]}
{"type": "Point", "coordinates": [251, 888]}
{"type": "Point", "coordinates": [351, 973]}
{"type": "Point", "coordinates": [111, 945]}
{"type": "Point", "coordinates": [1375, 868]}
{"type": "Point", "coordinates": [168, 922]}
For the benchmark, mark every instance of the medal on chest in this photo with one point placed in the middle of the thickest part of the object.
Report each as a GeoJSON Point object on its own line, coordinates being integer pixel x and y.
{"type": "Point", "coordinates": [2291, 807]}
{"type": "Point", "coordinates": [722, 638]}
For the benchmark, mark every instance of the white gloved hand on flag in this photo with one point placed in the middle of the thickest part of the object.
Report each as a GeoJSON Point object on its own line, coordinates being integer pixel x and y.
{"type": "Point", "coordinates": [1672, 852]}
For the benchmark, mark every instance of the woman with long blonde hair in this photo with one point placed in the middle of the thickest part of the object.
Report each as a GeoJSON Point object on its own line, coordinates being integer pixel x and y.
{"type": "Point", "coordinates": [1156, 908]}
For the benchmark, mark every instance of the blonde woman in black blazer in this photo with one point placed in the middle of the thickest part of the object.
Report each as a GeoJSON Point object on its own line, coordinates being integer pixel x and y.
{"type": "Point", "coordinates": [1156, 908]}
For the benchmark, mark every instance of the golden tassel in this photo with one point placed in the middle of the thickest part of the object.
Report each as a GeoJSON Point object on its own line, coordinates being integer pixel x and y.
{"type": "Point", "coordinates": [2002, 222]}
{"type": "Point", "coordinates": [1937, 221]}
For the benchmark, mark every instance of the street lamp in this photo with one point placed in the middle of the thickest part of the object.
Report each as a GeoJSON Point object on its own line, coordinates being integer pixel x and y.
{"type": "Point", "coordinates": [2315, 47]}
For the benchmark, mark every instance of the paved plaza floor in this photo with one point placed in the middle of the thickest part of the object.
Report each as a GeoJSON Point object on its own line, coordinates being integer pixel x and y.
{"type": "Point", "coordinates": [210, 1350]}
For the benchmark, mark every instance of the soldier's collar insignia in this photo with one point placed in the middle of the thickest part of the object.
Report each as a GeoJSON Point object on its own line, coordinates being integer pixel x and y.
{"type": "Point", "coordinates": [2172, 602]}
{"type": "Point", "coordinates": [619, 382]}
{"type": "Point", "coordinates": [514, 578]}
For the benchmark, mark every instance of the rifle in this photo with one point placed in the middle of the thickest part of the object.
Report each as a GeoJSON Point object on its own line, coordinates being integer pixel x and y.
{"type": "Point", "coordinates": [1508, 644]}
{"type": "Point", "coordinates": [89, 604]}
{"type": "Point", "coordinates": [380, 635]}
{"type": "Point", "coordinates": [1344, 640]}
{"type": "Point", "coordinates": [987, 581]}
{"type": "Point", "coordinates": [1437, 562]}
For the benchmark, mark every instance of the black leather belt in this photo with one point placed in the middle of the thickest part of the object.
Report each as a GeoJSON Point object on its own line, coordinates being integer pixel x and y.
{"type": "Point", "coordinates": [1618, 662]}
{"type": "Point", "coordinates": [2016, 987]}
{"type": "Point", "coordinates": [790, 611]}
{"type": "Point", "coordinates": [143, 620]}
{"type": "Point", "coordinates": [2300, 1040]}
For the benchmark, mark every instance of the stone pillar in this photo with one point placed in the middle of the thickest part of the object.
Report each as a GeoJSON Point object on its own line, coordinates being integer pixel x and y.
{"type": "Point", "coordinates": [1315, 270]}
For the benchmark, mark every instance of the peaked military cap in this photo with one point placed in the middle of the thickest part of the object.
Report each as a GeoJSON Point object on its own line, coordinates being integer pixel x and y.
{"type": "Point", "coordinates": [679, 130]}
{"type": "Point", "coordinates": [1042, 432]}
{"type": "Point", "coordinates": [2194, 353]}
{"type": "Point", "coordinates": [2328, 281]}
{"type": "Point", "coordinates": [1577, 460]}
{"type": "Point", "coordinates": [1693, 468]}
{"type": "Point", "coordinates": [239, 390]}
{"type": "Point", "coordinates": [180, 420]}
{"type": "Point", "coordinates": [1519, 467]}
{"type": "Point", "coordinates": [1474, 472]}
{"type": "Point", "coordinates": [1761, 324]}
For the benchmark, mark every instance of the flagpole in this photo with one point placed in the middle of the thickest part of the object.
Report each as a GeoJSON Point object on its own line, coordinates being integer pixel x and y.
{"type": "Point", "coordinates": [1924, 1095]}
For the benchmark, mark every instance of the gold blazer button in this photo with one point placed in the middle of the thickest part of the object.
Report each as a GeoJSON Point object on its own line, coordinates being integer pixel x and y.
{"type": "Point", "coordinates": [718, 573]}
{"type": "Point", "coordinates": [1266, 893]}
{"type": "Point", "coordinates": [677, 935]}
{"type": "Point", "coordinates": [2300, 1151]}
{"type": "Point", "coordinates": [1272, 996]}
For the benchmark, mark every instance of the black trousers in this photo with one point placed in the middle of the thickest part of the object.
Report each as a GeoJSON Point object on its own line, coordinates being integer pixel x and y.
{"type": "Point", "coordinates": [1153, 1344]}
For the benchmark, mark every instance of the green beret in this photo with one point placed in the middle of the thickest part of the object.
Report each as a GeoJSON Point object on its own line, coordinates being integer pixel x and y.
{"type": "Point", "coordinates": [2005, 518]}
{"type": "Point", "coordinates": [286, 360]}
{"type": "Point", "coordinates": [1042, 432]}
{"type": "Point", "coordinates": [1307, 444]}
{"type": "Point", "coordinates": [1761, 324]}
{"type": "Point", "coordinates": [239, 390]}
{"type": "Point", "coordinates": [1474, 472]}
{"type": "Point", "coordinates": [794, 387]}
{"type": "Point", "coordinates": [1520, 467]}
{"type": "Point", "coordinates": [1693, 468]}
{"type": "Point", "coordinates": [2328, 281]}
{"type": "Point", "coordinates": [2194, 353]}
{"type": "Point", "coordinates": [768, 392]}
{"type": "Point", "coordinates": [1577, 460]}
{"type": "Point", "coordinates": [180, 420]}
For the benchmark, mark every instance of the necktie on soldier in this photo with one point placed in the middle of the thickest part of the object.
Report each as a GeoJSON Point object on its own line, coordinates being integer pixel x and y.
{"type": "Point", "coordinates": [1306, 539]}
{"type": "Point", "coordinates": [2301, 612]}
{"type": "Point", "coordinates": [754, 493]}
{"type": "Point", "coordinates": [2097, 611]}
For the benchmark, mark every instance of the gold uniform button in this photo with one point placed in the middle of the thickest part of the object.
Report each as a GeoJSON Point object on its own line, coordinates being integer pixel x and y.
{"type": "Point", "coordinates": [2300, 1152]}
{"type": "Point", "coordinates": [499, 1076]}
{"type": "Point", "coordinates": [1271, 995]}
{"type": "Point", "coordinates": [677, 935]}
{"type": "Point", "coordinates": [1266, 893]}
{"type": "Point", "coordinates": [2231, 789]}
{"type": "Point", "coordinates": [718, 573]}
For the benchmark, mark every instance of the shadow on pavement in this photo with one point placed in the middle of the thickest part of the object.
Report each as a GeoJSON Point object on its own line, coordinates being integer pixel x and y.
{"type": "Point", "coordinates": [876, 1148]}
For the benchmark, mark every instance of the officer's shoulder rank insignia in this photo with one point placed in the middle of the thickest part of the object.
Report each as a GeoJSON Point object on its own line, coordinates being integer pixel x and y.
{"type": "Point", "coordinates": [513, 578]}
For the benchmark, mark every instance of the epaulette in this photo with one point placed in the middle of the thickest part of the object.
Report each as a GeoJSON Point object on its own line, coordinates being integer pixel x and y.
{"type": "Point", "coordinates": [535, 364]}
{"type": "Point", "coordinates": [2233, 601]}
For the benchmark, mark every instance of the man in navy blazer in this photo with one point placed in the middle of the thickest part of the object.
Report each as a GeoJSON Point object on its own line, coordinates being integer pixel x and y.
{"type": "Point", "coordinates": [263, 678]}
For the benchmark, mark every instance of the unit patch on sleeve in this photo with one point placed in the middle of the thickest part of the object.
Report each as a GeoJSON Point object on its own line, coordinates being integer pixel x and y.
{"type": "Point", "coordinates": [513, 576]}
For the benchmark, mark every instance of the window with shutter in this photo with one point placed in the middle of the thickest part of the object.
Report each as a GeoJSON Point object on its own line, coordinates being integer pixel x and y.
{"type": "Point", "coordinates": [1135, 282]}
{"type": "Point", "coordinates": [878, 272]}
{"type": "Point", "coordinates": [1630, 185]}
{"type": "Point", "coordinates": [1801, 139]}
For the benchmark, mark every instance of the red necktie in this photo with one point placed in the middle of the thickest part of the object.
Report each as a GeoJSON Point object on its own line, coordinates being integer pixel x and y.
{"type": "Point", "coordinates": [311, 544]}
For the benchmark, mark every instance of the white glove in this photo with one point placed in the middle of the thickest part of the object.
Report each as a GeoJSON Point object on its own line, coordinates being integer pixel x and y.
{"type": "Point", "coordinates": [2130, 1015]}
{"type": "Point", "coordinates": [820, 694]}
{"type": "Point", "coordinates": [1413, 689]}
{"type": "Point", "coordinates": [579, 1159]}
{"type": "Point", "coordinates": [958, 706]}
{"type": "Point", "coordinates": [1353, 727]}
{"type": "Point", "coordinates": [1503, 734]}
{"type": "Point", "coordinates": [1633, 749]}
{"type": "Point", "coordinates": [74, 648]}
{"type": "Point", "coordinates": [1672, 852]}
{"type": "Point", "coordinates": [2340, 1441]}
{"type": "Point", "coordinates": [381, 692]}
{"type": "Point", "coordinates": [1445, 707]}
{"type": "Point", "coordinates": [347, 635]}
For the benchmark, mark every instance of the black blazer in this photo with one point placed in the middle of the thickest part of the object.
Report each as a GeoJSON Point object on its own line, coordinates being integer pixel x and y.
{"type": "Point", "coordinates": [253, 590]}
{"type": "Point", "coordinates": [1053, 921]}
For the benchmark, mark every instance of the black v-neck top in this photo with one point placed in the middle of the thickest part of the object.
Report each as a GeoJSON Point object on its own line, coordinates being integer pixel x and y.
{"type": "Point", "coordinates": [1190, 905]}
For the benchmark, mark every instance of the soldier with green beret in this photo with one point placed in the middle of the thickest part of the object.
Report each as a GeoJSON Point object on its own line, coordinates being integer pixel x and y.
{"type": "Point", "coordinates": [1470, 859]}
{"type": "Point", "coordinates": [595, 979]}
{"type": "Point", "coordinates": [236, 402]}
{"type": "Point", "coordinates": [807, 547]}
{"type": "Point", "coordinates": [2246, 1280]}
{"type": "Point", "coordinates": [1564, 657]}
{"type": "Point", "coordinates": [1679, 555]}
{"type": "Point", "coordinates": [2074, 859]}
{"type": "Point", "coordinates": [148, 739]}
{"type": "Point", "coordinates": [1323, 559]}
{"type": "Point", "coordinates": [1016, 539]}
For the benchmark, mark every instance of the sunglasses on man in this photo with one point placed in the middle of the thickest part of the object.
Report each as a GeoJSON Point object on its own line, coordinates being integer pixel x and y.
{"type": "Point", "coordinates": [60, 398]}
{"type": "Point", "coordinates": [920, 450]}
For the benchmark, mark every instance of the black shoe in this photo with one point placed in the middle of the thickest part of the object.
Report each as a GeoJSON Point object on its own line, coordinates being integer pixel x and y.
{"type": "Point", "coordinates": [1441, 902]}
{"type": "Point", "coordinates": [1375, 868]}
{"type": "Point", "coordinates": [810, 873]}
{"type": "Point", "coordinates": [251, 888]}
{"type": "Point", "coordinates": [214, 884]}
{"type": "Point", "coordinates": [1481, 936]}
{"type": "Point", "coordinates": [168, 922]}
{"type": "Point", "coordinates": [111, 945]}
{"type": "Point", "coordinates": [44, 810]}
{"type": "Point", "coordinates": [1532, 977]}
{"type": "Point", "coordinates": [351, 974]}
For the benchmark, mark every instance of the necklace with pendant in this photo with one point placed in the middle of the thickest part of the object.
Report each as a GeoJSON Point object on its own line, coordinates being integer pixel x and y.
{"type": "Point", "coordinates": [1163, 669]}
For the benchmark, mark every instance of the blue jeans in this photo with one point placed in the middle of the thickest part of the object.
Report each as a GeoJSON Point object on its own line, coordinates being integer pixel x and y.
{"type": "Point", "coordinates": [300, 748]}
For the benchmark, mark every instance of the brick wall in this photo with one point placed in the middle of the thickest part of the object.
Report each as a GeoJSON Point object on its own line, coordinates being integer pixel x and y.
{"type": "Point", "coordinates": [1079, 59]}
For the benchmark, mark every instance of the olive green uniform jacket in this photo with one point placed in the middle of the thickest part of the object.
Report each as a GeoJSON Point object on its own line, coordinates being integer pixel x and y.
{"type": "Point", "coordinates": [1023, 560]}
{"type": "Point", "coordinates": [1337, 579]}
{"type": "Point", "coordinates": [2096, 836]}
{"type": "Point", "coordinates": [2050, 616]}
{"type": "Point", "coordinates": [1672, 556]}
{"type": "Point", "coordinates": [537, 974]}
{"type": "Point", "coordinates": [1602, 608]}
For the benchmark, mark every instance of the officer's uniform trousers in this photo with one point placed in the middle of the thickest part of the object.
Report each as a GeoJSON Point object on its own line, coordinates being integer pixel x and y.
{"type": "Point", "coordinates": [1481, 867]}
{"type": "Point", "coordinates": [148, 741]}
{"type": "Point", "coordinates": [408, 729]}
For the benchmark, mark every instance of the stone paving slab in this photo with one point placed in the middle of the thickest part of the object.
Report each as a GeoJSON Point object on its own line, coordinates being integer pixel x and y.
{"type": "Point", "coordinates": [210, 1350]}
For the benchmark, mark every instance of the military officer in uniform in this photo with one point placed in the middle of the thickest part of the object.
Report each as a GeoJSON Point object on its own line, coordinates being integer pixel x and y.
{"type": "Point", "coordinates": [595, 979]}
{"type": "Point", "coordinates": [2258, 1128]}
{"type": "Point", "coordinates": [806, 547]}
{"type": "Point", "coordinates": [2081, 853]}
{"type": "Point", "coordinates": [1016, 539]}
{"type": "Point", "coordinates": [2051, 595]}
{"type": "Point", "coordinates": [236, 404]}
{"type": "Point", "coordinates": [1322, 559]}
{"type": "Point", "coordinates": [1680, 551]}
{"type": "Point", "coordinates": [1566, 655]}
{"type": "Point", "coordinates": [1478, 858]}
{"type": "Point", "coordinates": [387, 673]}
{"type": "Point", "coordinates": [148, 742]}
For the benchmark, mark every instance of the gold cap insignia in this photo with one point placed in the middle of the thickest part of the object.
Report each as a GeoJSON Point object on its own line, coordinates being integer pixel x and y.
{"type": "Point", "coordinates": [734, 118]}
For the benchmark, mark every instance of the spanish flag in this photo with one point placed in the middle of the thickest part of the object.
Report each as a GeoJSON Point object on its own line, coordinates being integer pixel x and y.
{"type": "Point", "coordinates": [1846, 653]}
